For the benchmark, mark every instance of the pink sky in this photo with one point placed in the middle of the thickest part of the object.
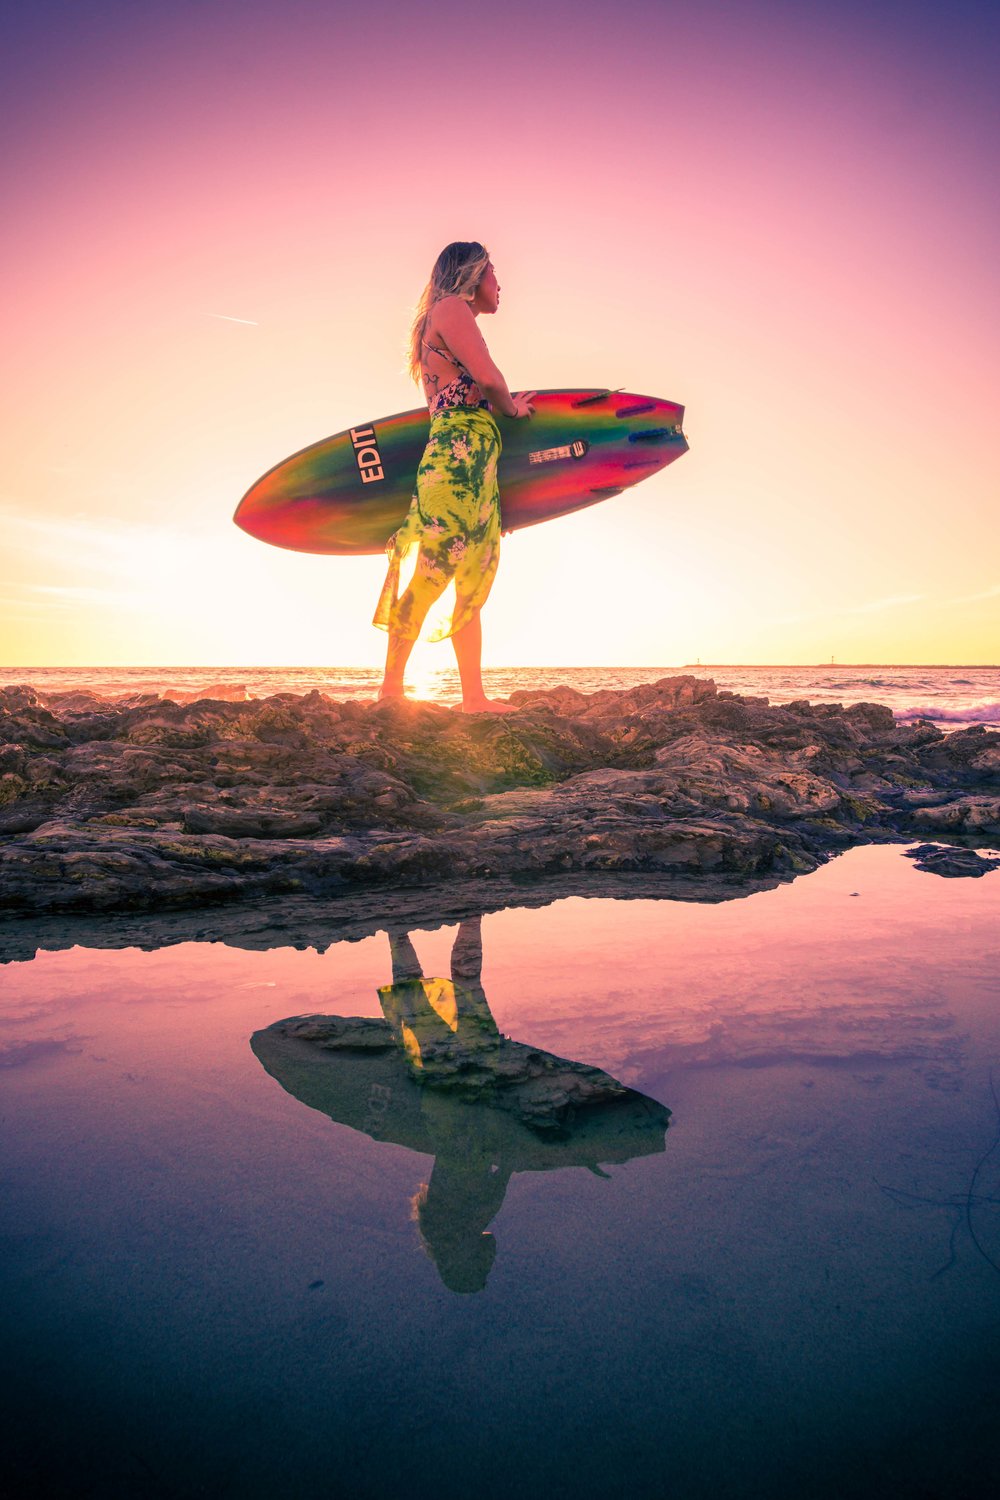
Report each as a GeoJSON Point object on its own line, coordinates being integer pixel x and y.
{"type": "Point", "coordinates": [782, 216]}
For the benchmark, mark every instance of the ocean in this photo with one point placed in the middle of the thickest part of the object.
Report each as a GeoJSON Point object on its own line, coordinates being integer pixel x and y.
{"type": "Point", "coordinates": [952, 696]}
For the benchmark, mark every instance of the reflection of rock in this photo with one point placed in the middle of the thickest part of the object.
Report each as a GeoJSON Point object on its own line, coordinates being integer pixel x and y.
{"type": "Point", "coordinates": [500, 1109]}
{"type": "Point", "coordinates": [146, 803]}
{"type": "Point", "coordinates": [945, 859]}
{"type": "Point", "coordinates": [310, 922]}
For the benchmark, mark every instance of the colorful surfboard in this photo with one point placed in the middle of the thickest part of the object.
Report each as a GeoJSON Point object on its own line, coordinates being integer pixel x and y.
{"type": "Point", "coordinates": [349, 493]}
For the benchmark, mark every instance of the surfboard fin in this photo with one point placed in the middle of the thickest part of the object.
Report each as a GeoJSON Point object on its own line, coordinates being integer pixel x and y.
{"type": "Point", "coordinates": [654, 435]}
{"type": "Point", "coordinates": [597, 396]}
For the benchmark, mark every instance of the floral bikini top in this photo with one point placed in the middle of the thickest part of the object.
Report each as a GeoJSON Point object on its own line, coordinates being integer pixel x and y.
{"type": "Point", "coordinates": [462, 391]}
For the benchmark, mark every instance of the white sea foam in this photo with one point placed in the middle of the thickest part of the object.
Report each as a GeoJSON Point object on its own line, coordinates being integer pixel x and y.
{"type": "Point", "coordinates": [978, 713]}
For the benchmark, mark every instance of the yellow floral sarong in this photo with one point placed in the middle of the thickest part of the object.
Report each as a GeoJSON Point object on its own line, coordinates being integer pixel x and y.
{"type": "Point", "coordinates": [443, 558]}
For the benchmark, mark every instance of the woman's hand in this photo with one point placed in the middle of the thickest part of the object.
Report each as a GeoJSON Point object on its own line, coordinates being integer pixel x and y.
{"type": "Point", "coordinates": [523, 400]}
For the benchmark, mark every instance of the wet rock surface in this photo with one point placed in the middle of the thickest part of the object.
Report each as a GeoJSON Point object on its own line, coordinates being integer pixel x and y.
{"type": "Point", "coordinates": [944, 859]}
{"type": "Point", "coordinates": [144, 805]}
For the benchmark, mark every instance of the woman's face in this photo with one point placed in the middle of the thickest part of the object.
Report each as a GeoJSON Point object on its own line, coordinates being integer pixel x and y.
{"type": "Point", "coordinates": [487, 298]}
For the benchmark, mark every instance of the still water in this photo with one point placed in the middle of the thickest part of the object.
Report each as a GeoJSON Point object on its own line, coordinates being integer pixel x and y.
{"type": "Point", "coordinates": [604, 1196]}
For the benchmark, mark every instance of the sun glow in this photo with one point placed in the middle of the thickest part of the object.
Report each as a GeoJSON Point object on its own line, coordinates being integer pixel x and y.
{"type": "Point", "coordinates": [408, 566]}
{"type": "Point", "coordinates": [440, 614]}
{"type": "Point", "coordinates": [425, 676]}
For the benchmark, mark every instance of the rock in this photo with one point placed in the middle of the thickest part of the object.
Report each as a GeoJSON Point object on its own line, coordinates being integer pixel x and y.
{"type": "Point", "coordinates": [987, 762]}
{"type": "Point", "coordinates": [251, 825]}
{"type": "Point", "coordinates": [948, 860]}
{"type": "Point", "coordinates": [16, 697]}
{"type": "Point", "coordinates": [222, 692]}
{"type": "Point", "coordinates": [144, 804]}
{"type": "Point", "coordinates": [964, 748]}
{"type": "Point", "coordinates": [977, 815]}
{"type": "Point", "coordinates": [924, 797]}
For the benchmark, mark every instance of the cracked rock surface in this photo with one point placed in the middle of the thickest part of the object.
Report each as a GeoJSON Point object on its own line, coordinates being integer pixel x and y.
{"type": "Point", "coordinates": [142, 804]}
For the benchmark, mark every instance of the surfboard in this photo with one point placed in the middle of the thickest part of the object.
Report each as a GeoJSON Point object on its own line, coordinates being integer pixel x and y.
{"type": "Point", "coordinates": [347, 494]}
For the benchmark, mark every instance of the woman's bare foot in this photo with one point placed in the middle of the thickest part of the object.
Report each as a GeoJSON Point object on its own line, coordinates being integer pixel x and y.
{"type": "Point", "coordinates": [391, 694]}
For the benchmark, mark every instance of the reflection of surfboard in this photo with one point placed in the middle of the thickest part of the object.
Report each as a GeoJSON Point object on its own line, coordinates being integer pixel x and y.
{"type": "Point", "coordinates": [349, 493]}
{"type": "Point", "coordinates": [353, 1070]}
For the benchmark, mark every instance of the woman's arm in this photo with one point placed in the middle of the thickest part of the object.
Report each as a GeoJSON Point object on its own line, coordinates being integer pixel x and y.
{"type": "Point", "coordinates": [455, 322]}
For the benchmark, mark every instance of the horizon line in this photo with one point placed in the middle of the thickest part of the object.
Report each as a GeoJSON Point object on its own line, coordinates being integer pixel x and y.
{"type": "Point", "coordinates": [517, 667]}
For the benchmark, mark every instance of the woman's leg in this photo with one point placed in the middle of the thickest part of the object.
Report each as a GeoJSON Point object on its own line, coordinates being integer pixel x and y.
{"type": "Point", "coordinates": [468, 644]}
{"type": "Point", "coordinates": [396, 656]}
{"type": "Point", "coordinates": [471, 1004]}
{"type": "Point", "coordinates": [405, 963]}
{"type": "Point", "coordinates": [467, 952]}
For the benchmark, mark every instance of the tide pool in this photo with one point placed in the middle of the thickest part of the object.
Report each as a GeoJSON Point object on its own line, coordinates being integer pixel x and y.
{"type": "Point", "coordinates": [604, 1196]}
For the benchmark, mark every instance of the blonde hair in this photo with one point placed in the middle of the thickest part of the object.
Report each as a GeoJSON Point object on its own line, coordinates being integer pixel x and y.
{"type": "Point", "coordinates": [457, 272]}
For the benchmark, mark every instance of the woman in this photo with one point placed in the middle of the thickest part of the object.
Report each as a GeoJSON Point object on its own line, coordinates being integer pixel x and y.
{"type": "Point", "coordinates": [443, 558]}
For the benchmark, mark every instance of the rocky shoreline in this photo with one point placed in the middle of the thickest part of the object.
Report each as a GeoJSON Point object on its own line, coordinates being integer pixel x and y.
{"type": "Point", "coordinates": [144, 806]}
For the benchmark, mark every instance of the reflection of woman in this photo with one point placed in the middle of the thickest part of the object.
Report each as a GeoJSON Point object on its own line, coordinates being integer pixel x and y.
{"type": "Point", "coordinates": [441, 1024]}
{"type": "Point", "coordinates": [443, 559]}
{"type": "Point", "coordinates": [439, 1021]}
{"type": "Point", "coordinates": [438, 1077]}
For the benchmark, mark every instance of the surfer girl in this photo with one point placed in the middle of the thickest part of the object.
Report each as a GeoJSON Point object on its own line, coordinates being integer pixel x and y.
{"type": "Point", "coordinates": [443, 558]}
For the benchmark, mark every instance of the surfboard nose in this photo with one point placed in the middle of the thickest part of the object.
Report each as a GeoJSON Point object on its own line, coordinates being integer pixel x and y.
{"type": "Point", "coordinates": [264, 512]}
{"type": "Point", "coordinates": [280, 510]}
{"type": "Point", "coordinates": [304, 505]}
{"type": "Point", "coordinates": [283, 509]}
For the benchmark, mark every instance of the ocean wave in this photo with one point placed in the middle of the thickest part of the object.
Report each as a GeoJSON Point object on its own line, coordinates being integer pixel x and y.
{"type": "Point", "coordinates": [911, 692]}
{"type": "Point", "coordinates": [979, 713]}
{"type": "Point", "coordinates": [854, 684]}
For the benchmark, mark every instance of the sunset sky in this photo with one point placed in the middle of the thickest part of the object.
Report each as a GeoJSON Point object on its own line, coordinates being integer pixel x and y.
{"type": "Point", "coordinates": [219, 214]}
